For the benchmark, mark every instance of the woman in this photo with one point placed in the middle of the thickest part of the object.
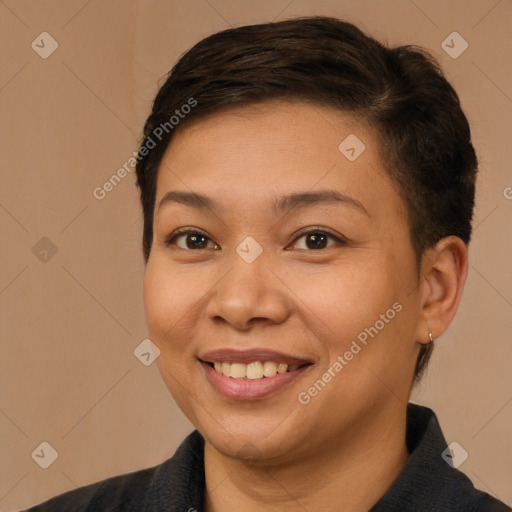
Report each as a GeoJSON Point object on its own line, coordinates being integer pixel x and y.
{"type": "Point", "coordinates": [307, 196]}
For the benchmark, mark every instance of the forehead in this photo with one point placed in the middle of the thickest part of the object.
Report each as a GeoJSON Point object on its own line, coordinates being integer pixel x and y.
{"type": "Point", "coordinates": [267, 150]}
{"type": "Point", "coordinates": [283, 126]}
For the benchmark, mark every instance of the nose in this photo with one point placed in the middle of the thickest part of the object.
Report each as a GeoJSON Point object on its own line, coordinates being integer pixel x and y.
{"type": "Point", "coordinates": [250, 293]}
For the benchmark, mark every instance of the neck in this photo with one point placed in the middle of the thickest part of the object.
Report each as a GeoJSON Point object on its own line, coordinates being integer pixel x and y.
{"type": "Point", "coordinates": [352, 474]}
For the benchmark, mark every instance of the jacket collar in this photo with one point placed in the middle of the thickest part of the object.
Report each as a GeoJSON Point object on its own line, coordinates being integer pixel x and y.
{"type": "Point", "coordinates": [427, 483]}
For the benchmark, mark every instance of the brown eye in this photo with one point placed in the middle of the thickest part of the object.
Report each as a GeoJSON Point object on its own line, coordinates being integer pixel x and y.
{"type": "Point", "coordinates": [318, 239]}
{"type": "Point", "coordinates": [193, 240]}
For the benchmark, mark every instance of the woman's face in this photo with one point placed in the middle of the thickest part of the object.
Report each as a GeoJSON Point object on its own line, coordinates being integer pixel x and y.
{"type": "Point", "coordinates": [250, 285]}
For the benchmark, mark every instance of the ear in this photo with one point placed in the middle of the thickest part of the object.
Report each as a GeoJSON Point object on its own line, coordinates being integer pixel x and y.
{"type": "Point", "coordinates": [444, 270]}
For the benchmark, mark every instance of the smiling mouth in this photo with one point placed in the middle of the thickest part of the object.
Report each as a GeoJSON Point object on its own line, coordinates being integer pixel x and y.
{"type": "Point", "coordinates": [255, 370]}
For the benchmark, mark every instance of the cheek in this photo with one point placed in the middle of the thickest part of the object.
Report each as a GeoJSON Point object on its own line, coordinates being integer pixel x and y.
{"type": "Point", "coordinates": [168, 303]}
{"type": "Point", "coordinates": [169, 300]}
{"type": "Point", "coordinates": [349, 296]}
{"type": "Point", "coordinates": [362, 309]}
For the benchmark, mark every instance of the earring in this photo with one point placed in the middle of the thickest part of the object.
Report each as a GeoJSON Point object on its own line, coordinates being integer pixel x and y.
{"type": "Point", "coordinates": [431, 337]}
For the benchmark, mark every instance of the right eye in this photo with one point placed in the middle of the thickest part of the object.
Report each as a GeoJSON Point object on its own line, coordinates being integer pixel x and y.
{"type": "Point", "coordinates": [194, 239]}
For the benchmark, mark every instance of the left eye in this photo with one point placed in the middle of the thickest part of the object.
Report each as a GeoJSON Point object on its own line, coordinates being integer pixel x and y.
{"type": "Point", "coordinates": [194, 240]}
{"type": "Point", "coordinates": [317, 239]}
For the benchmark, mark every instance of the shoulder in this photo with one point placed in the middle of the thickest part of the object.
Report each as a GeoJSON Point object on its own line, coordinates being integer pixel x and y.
{"type": "Point", "coordinates": [110, 494]}
{"type": "Point", "coordinates": [160, 487]}
{"type": "Point", "coordinates": [453, 487]}
{"type": "Point", "coordinates": [430, 481]}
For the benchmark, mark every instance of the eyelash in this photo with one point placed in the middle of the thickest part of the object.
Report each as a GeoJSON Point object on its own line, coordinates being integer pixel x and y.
{"type": "Point", "coordinates": [316, 230]}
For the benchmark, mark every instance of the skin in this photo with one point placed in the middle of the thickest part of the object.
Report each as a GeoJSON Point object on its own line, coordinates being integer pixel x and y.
{"type": "Point", "coordinates": [343, 449]}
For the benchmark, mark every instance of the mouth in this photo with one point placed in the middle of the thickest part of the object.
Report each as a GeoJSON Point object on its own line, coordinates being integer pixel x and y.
{"type": "Point", "coordinates": [251, 375]}
{"type": "Point", "coordinates": [253, 371]}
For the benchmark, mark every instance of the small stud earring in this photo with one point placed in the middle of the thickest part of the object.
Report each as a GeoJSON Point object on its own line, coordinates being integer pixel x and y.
{"type": "Point", "coordinates": [431, 337]}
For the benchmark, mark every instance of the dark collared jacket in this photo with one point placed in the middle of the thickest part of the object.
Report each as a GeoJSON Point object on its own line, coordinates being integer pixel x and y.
{"type": "Point", "coordinates": [427, 483]}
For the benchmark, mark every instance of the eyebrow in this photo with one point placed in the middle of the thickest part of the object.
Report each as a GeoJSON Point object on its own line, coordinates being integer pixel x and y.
{"type": "Point", "coordinates": [279, 205]}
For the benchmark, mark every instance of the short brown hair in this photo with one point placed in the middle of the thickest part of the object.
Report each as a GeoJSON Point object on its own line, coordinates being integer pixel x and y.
{"type": "Point", "coordinates": [425, 140]}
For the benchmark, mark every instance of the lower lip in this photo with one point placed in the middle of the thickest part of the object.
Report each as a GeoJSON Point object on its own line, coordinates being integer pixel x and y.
{"type": "Point", "coordinates": [249, 389]}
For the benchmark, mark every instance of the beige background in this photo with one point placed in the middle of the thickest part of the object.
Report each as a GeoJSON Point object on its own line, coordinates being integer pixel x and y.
{"type": "Point", "coordinates": [69, 325]}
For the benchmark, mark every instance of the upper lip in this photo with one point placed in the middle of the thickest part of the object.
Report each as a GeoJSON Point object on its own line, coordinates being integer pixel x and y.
{"type": "Point", "coordinates": [227, 355]}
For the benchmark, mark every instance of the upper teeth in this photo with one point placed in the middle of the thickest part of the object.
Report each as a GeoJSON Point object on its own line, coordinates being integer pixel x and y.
{"type": "Point", "coordinates": [255, 370]}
